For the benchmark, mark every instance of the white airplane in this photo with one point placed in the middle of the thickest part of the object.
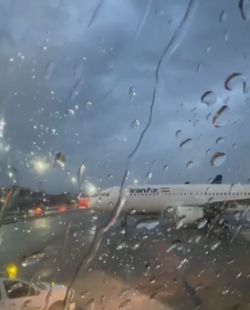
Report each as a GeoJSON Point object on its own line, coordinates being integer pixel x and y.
{"type": "Point", "coordinates": [188, 201]}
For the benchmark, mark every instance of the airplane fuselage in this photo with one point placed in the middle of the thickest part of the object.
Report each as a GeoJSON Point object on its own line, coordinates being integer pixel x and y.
{"type": "Point", "coordinates": [191, 201]}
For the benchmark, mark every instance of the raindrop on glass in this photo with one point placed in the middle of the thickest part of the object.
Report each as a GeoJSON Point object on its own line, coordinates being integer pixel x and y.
{"type": "Point", "coordinates": [189, 164]}
{"type": "Point", "coordinates": [125, 305]}
{"type": "Point", "coordinates": [226, 35]}
{"type": "Point", "coordinates": [198, 68]}
{"type": "Point", "coordinates": [80, 173]}
{"type": "Point", "coordinates": [244, 6]}
{"type": "Point", "coordinates": [136, 246]}
{"type": "Point", "coordinates": [148, 224]}
{"type": "Point", "coordinates": [209, 98]}
{"type": "Point", "coordinates": [208, 49]}
{"type": "Point", "coordinates": [226, 291]}
{"type": "Point", "coordinates": [88, 104]}
{"type": "Point", "coordinates": [90, 304]}
{"type": "Point", "coordinates": [70, 112]}
{"type": "Point", "coordinates": [219, 140]}
{"type": "Point", "coordinates": [223, 16]}
{"type": "Point", "coordinates": [121, 246]}
{"type": "Point", "coordinates": [135, 123]}
{"type": "Point", "coordinates": [180, 222]}
{"type": "Point", "coordinates": [215, 245]}
{"type": "Point", "coordinates": [185, 143]}
{"type": "Point", "coordinates": [32, 259]}
{"type": "Point", "coordinates": [60, 159]}
{"type": "Point", "coordinates": [219, 114]}
{"type": "Point", "coordinates": [233, 80]}
{"type": "Point", "coordinates": [178, 132]}
{"type": "Point", "coordinates": [84, 294]}
{"type": "Point", "coordinates": [131, 92]}
{"type": "Point", "coordinates": [202, 224]}
{"type": "Point", "coordinates": [165, 167]}
{"type": "Point", "coordinates": [218, 159]}
{"type": "Point", "coordinates": [171, 248]}
{"type": "Point", "coordinates": [208, 116]}
{"type": "Point", "coordinates": [49, 69]}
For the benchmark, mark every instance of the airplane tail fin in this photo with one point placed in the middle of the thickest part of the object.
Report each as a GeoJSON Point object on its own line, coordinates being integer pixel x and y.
{"type": "Point", "coordinates": [217, 179]}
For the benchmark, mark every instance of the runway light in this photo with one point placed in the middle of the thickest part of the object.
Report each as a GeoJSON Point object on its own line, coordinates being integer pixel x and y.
{"type": "Point", "coordinates": [12, 271]}
{"type": "Point", "coordinates": [40, 166]}
{"type": "Point", "coordinates": [38, 211]}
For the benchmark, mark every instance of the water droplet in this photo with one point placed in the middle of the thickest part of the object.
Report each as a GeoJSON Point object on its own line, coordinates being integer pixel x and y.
{"type": "Point", "coordinates": [135, 123]}
{"type": "Point", "coordinates": [226, 35]}
{"type": "Point", "coordinates": [189, 164]}
{"type": "Point", "coordinates": [121, 246]}
{"type": "Point", "coordinates": [110, 176]}
{"type": "Point", "coordinates": [226, 291]}
{"type": "Point", "coordinates": [185, 143]}
{"type": "Point", "coordinates": [49, 69]}
{"type": "Point", "coordinates": [169, 209]}
{"type": "Point", "coordinates": [178, 133]}
{"type": "Point", "coordinates": [136, 246]}
{"type": "Point", "coordinates": [171, 248]}
{"type": "Point", "coordinates": [223, 16]}
{"type": "Point", "coordinates": [219, 140]}
{"type": "Point", "coordinates": [209, 98]}
{"type": "Point", "coordinates": [184, 261]}
{"type": "Point", "coordinates": [218, 159]}
{"type": "Point", "coordinates": [165, 167]}
{"type": "Point", "coordinates": [80, 173]}
{"type": "Point", "coordinates": [208, 49]}
{"type": "Point", "coordinates": [215, 245]}
{"type": "Point", "coordinates": [125, 293]}
{"type": "Point", "coordinates": [202, 224]}
{"type": "Point", "coordinates": [32, 259]}
{"type": "Point", "coordinates": [218, 114]}
{"type": "Point", "coordinates": [208, 116]}
{"type": "Point", "coordinates": [244, 6]}
{"type": "Point", "coordinates": [234, 146]}
{"type": "Point", "coordinates": [180, 222]}
{"type": "Point", "coordinates": [70, 112]}
{"type": "Point", "coordinates": [90, 305]}
{"type": "Point", "coordinates": [11, 59]}
{"type": "Point", "coordinates": [198, 68]}
{"type": "Point", "coordinates": [125, 305]}
{"type": "Point", "coordinates": [233, 80]}
{"type": "Point", "coordinates": [60, 159]}
{"type": "Point", "coordinates": [131, 92]}
{"type": "Point", "coordinates": [88, 104]}
{"type": "Point", "coordinates": [148, 224]}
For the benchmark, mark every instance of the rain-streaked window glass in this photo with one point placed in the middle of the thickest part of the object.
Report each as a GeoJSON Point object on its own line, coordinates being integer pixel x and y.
{"type": "Point", "coordinates": [124, 154]}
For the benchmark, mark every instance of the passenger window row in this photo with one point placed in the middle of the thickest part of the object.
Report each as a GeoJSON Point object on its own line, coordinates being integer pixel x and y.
{"type": "Point", "coordinates": [192, 193]}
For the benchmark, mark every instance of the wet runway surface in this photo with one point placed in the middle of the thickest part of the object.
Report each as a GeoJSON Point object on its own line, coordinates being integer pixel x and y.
{"type": "Point", "coordinates": [147, 264]}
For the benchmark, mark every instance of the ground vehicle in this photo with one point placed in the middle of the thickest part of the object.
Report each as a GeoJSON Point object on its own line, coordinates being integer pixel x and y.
{"type": "Point", "coordinates": [18, 294]}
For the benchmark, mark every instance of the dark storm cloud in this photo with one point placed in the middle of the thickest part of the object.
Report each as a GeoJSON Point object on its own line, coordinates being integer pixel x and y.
{"type": "Point", "coordinates": [53, 61]}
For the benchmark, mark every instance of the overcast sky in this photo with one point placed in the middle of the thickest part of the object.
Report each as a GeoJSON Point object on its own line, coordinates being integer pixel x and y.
{"type": "Point", "coordinates": [76, 74]}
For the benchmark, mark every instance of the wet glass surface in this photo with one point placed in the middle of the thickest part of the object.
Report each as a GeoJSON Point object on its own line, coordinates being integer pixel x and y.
{"type": "Point", "coordinates": [124, 153]}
